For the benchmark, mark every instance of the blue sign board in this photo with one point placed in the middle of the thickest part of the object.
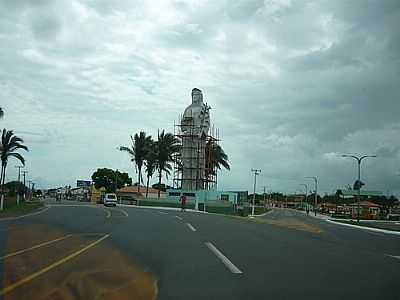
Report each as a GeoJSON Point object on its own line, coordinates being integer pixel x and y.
{"type": "Point", "coordinates": [83, 183]}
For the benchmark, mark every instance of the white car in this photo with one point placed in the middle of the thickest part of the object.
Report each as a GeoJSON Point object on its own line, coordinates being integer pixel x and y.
{"type": "Point", "coordinates": [110, 200]}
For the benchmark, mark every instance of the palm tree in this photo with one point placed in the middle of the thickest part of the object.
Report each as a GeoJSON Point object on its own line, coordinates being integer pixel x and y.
{"type": "Point", "coordinates": [138, 152]}
{"type": "Point", "coordinates": [167, 146]}
{"type": "Point", "coordinates": [10, 143]}
{"type": "Point", "coordinates": [215, 159]}
{"type": "Point", "coordinates": [151, 163]}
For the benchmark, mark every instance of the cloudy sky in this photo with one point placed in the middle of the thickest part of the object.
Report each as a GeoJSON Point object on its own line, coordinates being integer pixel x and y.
{"type": "Point", "coordinates": [292, 84]}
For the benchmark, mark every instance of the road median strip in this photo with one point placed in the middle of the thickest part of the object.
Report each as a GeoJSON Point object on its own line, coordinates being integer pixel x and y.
{"type": "Point", "coordinates": [366, 228]}
{"type": "Point", "coordinates": [50, 267]}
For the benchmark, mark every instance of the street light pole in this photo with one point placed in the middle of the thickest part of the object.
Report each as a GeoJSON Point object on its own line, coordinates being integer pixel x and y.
{"type": "Point", "coordinates": [316, 193]}
{"type": "Point", "coordinates": [264, 197]}
{"type": "Point", "coordinates": [305, 197]}
{"type": "Point", "coordinates": [256, 172]}
{"type": "Point", "coordinates": [359, 160]}
{"type": "Point", "coordinates": [19, 180]}
{"type": "Point", "coordinates": [24, 174]}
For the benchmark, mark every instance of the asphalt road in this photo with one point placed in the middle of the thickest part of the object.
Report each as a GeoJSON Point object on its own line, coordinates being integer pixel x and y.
{"type": "Point", "coordinates": [283, 255]}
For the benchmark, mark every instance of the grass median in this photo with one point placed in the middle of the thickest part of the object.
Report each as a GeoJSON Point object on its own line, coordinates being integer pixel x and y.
{"type": "Point", "coordinates": [11, 209]}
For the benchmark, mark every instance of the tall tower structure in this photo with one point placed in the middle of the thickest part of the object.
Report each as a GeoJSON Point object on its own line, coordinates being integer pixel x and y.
{"type": "Point", "coordinates": [195, 124]}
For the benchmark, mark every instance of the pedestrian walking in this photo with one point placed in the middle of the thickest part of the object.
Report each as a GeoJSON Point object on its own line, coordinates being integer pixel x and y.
{"type": "Point", "coordinates": [183, 202]}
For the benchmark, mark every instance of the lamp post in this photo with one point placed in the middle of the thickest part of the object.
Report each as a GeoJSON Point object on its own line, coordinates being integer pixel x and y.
{"type": "Point", "coordinates": [256, 173]}
{"type": "Point", "coordinates": [358, 185]}
{"type": "Point", "coordinates": [19, 181]}
{"type": "Point", "coordinates": [306, 186]}
{"type": "Point", "coordinates": [316, 193]}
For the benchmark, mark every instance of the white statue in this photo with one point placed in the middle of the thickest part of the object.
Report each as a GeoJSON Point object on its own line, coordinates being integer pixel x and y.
{"type": "Point", "coordinates": [196, 118]}
{"type": "Point", "coordinates": [195, 125]}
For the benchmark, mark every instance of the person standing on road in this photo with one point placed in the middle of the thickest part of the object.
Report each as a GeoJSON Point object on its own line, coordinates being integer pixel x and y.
{"type": "Point", "coordinates": [183, 202]}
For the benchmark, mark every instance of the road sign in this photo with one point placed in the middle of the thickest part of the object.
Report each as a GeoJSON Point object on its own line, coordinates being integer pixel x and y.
{"type": "Point", "coordinates": [83, 183]}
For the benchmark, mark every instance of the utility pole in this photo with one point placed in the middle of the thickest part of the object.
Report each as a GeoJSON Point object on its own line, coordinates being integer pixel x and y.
{"type": "Point", "coordinates": [305, 197]}
{"type": "Point", "coordinates": [33, 189]}
{"type": "Point", "coordinates": [19, 181]}
{"type": "Point", "coordinates": [29, 190]}
{"type": "Point", "coordinates": [359, 184]}
{"type": "Point", "coordinates": [116, 180]}
{"type": "Point", "coordinates": [264, 197]}
{"type": "Point", "coordinates": [256, 173]}
{"type": "Point", "coordinates": [316, 193]}
{"type": "Point", "coordinates": [24, 174]}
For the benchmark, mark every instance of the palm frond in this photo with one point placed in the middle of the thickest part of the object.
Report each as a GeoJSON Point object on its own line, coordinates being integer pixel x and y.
{"type": "Point", "coordinates": [18, 156]}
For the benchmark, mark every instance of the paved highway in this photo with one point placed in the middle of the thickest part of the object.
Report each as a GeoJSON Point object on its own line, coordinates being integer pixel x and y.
{"type": "Point", "coordinates": [119, 253]}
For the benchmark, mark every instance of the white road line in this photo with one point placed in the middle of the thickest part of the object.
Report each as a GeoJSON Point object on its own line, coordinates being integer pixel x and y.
{"type": "Point", "coordinates": [191, 227]}
{"type": "Point", "coordinates": [28, 215]}
{"type": "Point", "coordinates": [376, 233]}
{"type": "Point", "coordinates": [224, 259]}
{"type": "Point", "coordinates": [179, 218]}
{"type": "Point", "coordinates": [394, 256]}
{"type": "Point", "coordinates": [35, 247]}
{"type": "Point", "coordinates": [163, 213]}
{"type": "Point", "coordinates": [122, 211]}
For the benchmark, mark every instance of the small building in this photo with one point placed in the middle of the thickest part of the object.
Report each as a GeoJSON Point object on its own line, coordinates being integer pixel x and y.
{"type": "Point", "coordinates": [131, 192]}
{"type": "Point", "coordinates": [242, 196]}
{"type": "Point", "coordinates": [368, 210]}
{"type": "Point", "coordinates": [203, 196]}
{"type": "Point", "coordinates": [95, 194]}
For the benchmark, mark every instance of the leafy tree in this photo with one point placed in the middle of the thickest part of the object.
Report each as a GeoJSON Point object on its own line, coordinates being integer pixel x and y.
{"type": "Point", "coordinates": [110, 179]}
{"type": "Point", "coordinates": [138, 152]}
{"type": "Point", "coordinates": [14, 187]}
{"type": "Point", "coordinates": [9, 146]}
{"type": "Point", "coordinates": [215, 159]}
{"type": "Point", "coordinates": [166, 147]}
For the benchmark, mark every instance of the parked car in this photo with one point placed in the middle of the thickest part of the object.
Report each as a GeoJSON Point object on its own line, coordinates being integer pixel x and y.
{"type": "Point", "coordinates": [110, 200]}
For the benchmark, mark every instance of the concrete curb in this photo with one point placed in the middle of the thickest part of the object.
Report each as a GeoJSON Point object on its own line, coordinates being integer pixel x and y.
{"type": "Point", "coordinates": [264, 214]}
{"type": "Point", "coordinates": [45, 208]}
{"type": "Point", "coordinates": [366, 228]}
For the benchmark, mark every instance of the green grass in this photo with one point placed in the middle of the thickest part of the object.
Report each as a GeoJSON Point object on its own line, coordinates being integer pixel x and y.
{"type": "Point", "coordinates": [11, 209]}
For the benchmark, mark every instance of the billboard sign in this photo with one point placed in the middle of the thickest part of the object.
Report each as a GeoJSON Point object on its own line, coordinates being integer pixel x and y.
{"type": "Point", "coordinates": [83, 183]}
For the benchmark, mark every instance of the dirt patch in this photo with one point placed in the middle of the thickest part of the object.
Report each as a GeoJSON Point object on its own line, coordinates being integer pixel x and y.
{"type": "Point", "coordinates": [286, 223]}
{"type": "Point", "coordinates": [102, 272]}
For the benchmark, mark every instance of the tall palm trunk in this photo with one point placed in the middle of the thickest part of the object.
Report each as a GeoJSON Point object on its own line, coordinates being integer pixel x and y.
{"type": "Point", "coordinates": [147, 186]}
{"type": "Point", "coordinates": [3, 176]}
{"type": "Point", "coordinates": [139, 176]}
{"type": "Point", "coordinates": [159, 182]}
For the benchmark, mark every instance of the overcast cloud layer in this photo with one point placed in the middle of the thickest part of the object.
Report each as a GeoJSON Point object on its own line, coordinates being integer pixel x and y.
{"type": "Point", "coordinates": [292, 84]}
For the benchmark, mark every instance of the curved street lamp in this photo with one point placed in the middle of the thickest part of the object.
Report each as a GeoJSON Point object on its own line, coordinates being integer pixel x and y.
{"type": "Point", "coordinates": [316, 192]}
{"type": "Point", "coordinates": [359, 160]}
{"type": "Point", "coordinates": [306, 186]}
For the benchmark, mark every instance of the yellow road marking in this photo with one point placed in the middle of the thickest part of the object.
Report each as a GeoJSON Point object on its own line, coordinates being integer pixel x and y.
{"type": "Point", "coordinates": [35, 247]}
{"type": "Point", "coordinates": [50, 267]}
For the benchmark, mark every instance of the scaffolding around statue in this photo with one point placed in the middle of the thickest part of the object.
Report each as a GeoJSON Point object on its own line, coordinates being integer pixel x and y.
{"type": "Point", "coordinates": [193, 165]}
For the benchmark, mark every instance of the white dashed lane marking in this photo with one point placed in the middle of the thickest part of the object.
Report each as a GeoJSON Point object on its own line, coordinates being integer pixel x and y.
{"type": "Point", "coordinates": [231, 267]}
{"type": "Point", "coordinates": [191, 227]}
